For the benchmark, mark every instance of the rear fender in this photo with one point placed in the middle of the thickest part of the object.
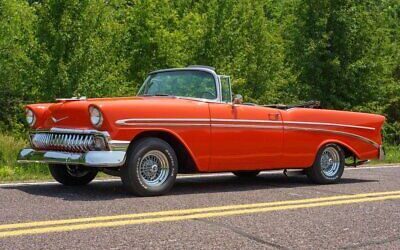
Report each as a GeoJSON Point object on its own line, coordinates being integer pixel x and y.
{"type": "Point", "coordinates": [344, 145]}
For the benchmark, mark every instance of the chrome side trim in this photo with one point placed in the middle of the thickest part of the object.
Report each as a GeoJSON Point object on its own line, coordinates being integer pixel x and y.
{"type": "Point", "coordinates": [221, 123]}
{"type": "Point", "coordinates": [188, 124]}
{"type": "Point", "coordinates": [89, 159]}
{"type": "Point", "coordinates": [334, 132]}
{"type": "Point", "coordinates": [141, 120]}
{"type": "Point", "coordinates": [148, 121]}
{"type": "Point", "coordinates": [119, 142]}
{"type": "Point", "coordinates": [137, 121]}
{"type": "Point", "coordinates": [197, 122]}
{"type": "Point", "coordinates": [328, 124]}
{"type": "Point", "coordinates": [245, 121]}
{"type": "Point", "coordinates": [246, 126]}
{"type": "Point", "coordinates": [117, 145]}
{"type": "Point", "coordinates": [152, 124]}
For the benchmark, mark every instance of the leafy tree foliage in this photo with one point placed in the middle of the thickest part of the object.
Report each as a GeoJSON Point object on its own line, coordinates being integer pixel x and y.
{"type": "Point", "coordinates": [344, 53]}
{"type": "Point", "coordinates": [79, 52]}
{"type": "Point", "coordinates": [335, 52]}
{"type": "Point", "coordinates": [17, 48]}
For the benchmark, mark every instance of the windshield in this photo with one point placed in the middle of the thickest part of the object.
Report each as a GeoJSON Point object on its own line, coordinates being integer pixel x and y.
{"type": "Point", "coordinates": [185, 83]}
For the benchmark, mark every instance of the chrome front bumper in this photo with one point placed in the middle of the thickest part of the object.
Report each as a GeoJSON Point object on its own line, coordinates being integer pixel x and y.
{"type": "Point", "coordinates": [74, 147]}
{"type": "Point", "coordinates": [89, 159]}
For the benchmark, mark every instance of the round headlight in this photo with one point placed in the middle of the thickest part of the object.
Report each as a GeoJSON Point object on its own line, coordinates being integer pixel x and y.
{"type": "Point", "coordinates": [30, 117]}
{"type": "Point", "coordinates": [96, 118]}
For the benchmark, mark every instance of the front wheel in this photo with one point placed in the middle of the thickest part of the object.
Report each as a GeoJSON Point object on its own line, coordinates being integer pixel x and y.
{"type": "Point", "coordinates": [328, 166]}
{"type": "Point", "coordinates": [72, 175]}
{"type": "Point", "coordinates": [151, 168]}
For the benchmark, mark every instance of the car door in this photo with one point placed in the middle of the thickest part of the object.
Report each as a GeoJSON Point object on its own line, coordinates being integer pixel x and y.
{"type": "Point", "coordinates": [245, 137]}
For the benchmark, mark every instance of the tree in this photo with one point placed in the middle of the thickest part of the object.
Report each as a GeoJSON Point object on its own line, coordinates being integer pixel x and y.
{"type": "Point", "coordinates": [160, 34]}
{"type": "Point", "coordinates": [243, 41]}
{"type": "Point", "coordinates": [80, 49]}
{"type": "Point", "coordinates": [17, 44]}
{"type": "Point", "coordinates": [333, 49]}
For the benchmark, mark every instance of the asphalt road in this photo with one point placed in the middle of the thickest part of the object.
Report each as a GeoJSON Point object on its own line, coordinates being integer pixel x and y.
{"type": "Point", "coordinates": [208, 212]}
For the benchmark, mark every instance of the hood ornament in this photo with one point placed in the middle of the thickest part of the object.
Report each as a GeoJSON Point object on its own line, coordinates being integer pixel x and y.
{"type": "Point", "coordinates": [55, 120]}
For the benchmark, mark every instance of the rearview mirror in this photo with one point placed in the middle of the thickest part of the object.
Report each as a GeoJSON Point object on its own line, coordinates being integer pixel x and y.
{"type": "Point", "coordinates": [237, 99]}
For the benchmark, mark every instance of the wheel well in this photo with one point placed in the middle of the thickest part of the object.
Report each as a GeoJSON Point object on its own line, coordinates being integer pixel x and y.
{"type": "Point", "coordinates": [347, 152]}
{"type": "Point", "coordinates": [186, 163]}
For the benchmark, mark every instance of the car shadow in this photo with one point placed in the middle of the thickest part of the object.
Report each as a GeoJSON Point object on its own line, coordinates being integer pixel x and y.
{"type": "Point", "coordinates": [113, 189]}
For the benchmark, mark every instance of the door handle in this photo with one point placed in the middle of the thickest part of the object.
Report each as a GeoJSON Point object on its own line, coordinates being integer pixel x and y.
{"type": "Point", "coordinates": [273, 117]}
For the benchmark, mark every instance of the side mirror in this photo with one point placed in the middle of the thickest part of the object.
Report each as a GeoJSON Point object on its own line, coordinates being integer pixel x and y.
{"type": "Point", "coordinates": [237, 99]}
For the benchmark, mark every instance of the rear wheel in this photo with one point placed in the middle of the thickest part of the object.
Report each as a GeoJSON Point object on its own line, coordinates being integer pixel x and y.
{"type": "Point", "coordinates": [72, 175]}
{"type": "Point", "coordinates": [151, 168]}
{"type": "Point", "coordinates": [328, 166]}
{"type": "Point", "coordinates": [246, 174]}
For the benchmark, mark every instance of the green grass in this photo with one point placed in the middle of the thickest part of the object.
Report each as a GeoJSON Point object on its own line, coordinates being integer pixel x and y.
{"type": "Point", "coordinates": [392, 154]}
{"type": "Point", "coordinates": [10, 170]}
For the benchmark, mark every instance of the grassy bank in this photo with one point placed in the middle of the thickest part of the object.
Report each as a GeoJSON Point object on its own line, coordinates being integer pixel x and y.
{"type": "Point", "coordinates": [392, 155]}
{"type": "Point", "coordinates": [10, 170]}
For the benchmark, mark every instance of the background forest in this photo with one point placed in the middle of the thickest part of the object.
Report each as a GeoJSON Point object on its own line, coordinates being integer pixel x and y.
{"type": "Point", "coordinates": [344, 53]}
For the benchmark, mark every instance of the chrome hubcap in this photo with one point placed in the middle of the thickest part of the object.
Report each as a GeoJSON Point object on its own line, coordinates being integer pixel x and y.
{"type": "Point", "coordinates": [77, 171]}
{"type": "Point", "coordinates": [330, 162]}
{"type": "Point", "coordinates": [154, 168]}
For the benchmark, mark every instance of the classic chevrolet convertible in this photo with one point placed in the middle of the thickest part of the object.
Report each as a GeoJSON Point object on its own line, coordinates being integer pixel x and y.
{"type": "Point", "coordinates": [185, 120]}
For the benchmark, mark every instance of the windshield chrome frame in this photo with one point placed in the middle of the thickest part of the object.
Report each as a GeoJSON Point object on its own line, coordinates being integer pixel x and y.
{"type": "Point", "coordinates": [212, 72]}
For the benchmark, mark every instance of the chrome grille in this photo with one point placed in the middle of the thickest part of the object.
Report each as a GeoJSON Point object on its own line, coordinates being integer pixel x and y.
{"type": "Point", "coordinates": [70, 142]}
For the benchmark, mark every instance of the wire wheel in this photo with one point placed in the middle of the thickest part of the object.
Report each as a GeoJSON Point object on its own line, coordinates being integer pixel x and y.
{"type": "Point", "coordinates": [77, 171]}
{"type": "Point", "coordinates": [154, 168]}
{"type": "Point", "coordinates": [330, 162]}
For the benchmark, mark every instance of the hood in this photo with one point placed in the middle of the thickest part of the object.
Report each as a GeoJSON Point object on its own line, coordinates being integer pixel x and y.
{"type": "Point", "coordinates": [70, 113]}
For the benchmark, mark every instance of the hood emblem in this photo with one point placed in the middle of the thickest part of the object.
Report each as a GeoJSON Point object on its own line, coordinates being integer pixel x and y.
{"type": "Point", "coordinates": [55, 120]}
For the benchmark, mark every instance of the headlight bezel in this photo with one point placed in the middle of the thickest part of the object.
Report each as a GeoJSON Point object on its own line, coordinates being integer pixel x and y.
{"type": "Point", "coordinates": [96, 116]}
{"type": "Point", "coordinates": [30, 117]}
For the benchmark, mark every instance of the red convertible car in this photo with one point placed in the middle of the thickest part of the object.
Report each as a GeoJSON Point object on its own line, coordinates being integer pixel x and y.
{"type": "Point", "coordinates": [185, 120]}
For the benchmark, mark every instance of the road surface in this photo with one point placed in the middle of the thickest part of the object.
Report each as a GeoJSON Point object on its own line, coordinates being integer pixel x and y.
{"type": "Point", "coordinates": [208, 212]}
